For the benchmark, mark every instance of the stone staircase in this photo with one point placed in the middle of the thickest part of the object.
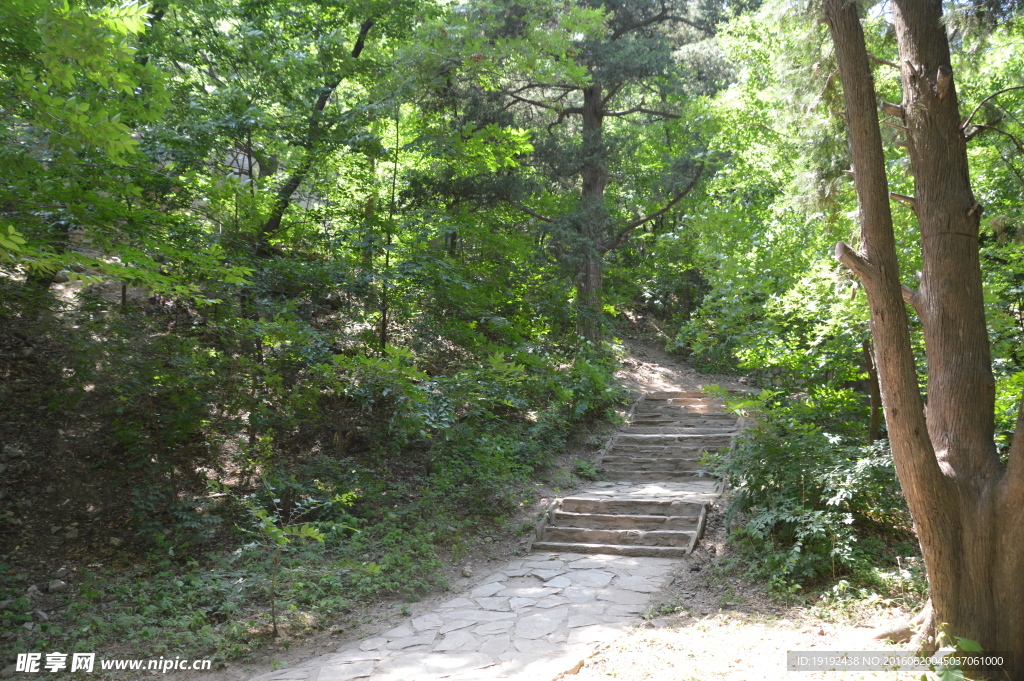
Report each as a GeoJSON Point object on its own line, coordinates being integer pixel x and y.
{"type": "Point", "coordinates": [655, 500]}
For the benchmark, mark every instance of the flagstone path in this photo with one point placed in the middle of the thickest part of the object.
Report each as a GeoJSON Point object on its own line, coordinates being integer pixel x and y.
{"type": "Point", "coordinates": [598, 557]}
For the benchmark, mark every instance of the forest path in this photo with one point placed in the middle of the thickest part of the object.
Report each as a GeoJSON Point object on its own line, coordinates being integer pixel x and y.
{"type": "Point", "coordinates": [537, 617]}
{"type": "Point", "coordinates": [604, 552]}
{"type": "Point", "coordinates": [646, 368]}
{"type": "Point", "coordinates": [656, 501]}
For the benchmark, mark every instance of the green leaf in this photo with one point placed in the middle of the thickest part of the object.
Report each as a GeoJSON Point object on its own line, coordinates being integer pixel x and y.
{"type": "Point", "coordinates": [967, 645]}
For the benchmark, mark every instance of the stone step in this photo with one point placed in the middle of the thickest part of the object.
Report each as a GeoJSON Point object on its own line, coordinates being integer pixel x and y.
{"type": "Point", "coordinates": [693, 397]}
{"type": "Point", "coordinates": [679, 439]}
{"type": "Point", "coordinates": [656, 451]}
{"type": "Point", "coordinates": [681, 412]}
{"type": "Point", "coordinates": [628, 463]}
{"type": "Point", "coordinates": [692, 411]}
{"type": "Point", "coordinates": [639, 522]}
{"type": "Point", "coordinates": [683, 421]}
{"type": "Point", "coordinates": [632, 536]}
{"type": "Point", "coordinates": [653, 476]}
{"type": "Point", "coordinates": [654, 502]}
{"type": "Point", "coordinates": [614, 549]}
{"type": "Point", "coordinates": [612, 506]}
{"type": "Point", "coordinates": [695, 428]}
{"type": "Point", "coordinates": [701, 409]}
{"type": "Point", "coordinates": [684, 415]}
{"type": "Point", "coordinates": [695, 393]}
{"type": "Point", "coordinates": [706, 410]}
{"type": "Point", "coordinates": [642, 455]}
{"type": "Point", "coordinates": [676, 430]}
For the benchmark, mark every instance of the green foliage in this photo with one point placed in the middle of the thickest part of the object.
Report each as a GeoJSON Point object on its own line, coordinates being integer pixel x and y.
{"type": "Point", "coordinates": [342, 337]}
{"type": "Point", "coordinates": [809, 503]}
{"type": "Point", "coordinates": [585, 469]}
{"type": "Point", "coordinates": [903, 585]}
{"type": "Point", "coordinates": [275, 537]}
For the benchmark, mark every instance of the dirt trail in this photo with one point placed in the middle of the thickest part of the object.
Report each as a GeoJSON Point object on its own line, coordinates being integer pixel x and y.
{"type": "Point", "coordinates": [648, 368]}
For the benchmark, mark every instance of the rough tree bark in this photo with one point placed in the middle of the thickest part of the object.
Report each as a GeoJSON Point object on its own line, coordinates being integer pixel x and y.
{"type": "Point", "coordinates": [968, 510]}
{"type": "Point", "coordinates": [594, 213]}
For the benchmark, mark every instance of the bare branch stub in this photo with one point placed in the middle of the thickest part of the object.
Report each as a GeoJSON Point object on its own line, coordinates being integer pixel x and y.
{"type": "Point", "coordinates": [856, 263]}
{"type": "Point", "coordinates": [893, 109]}
{"type": "Point", "coordinates": [911, 297]}
{"type": "Point", "coordinates": [903, 198]}
{"type": "Point", "coordinates": [879, 60]}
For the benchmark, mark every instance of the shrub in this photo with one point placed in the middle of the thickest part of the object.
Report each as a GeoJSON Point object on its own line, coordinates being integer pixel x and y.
{"type": "Point", "coordinates": [808, 503]}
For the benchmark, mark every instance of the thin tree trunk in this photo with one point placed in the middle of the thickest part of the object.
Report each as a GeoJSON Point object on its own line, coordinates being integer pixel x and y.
{"type": "Point", "coordinates": [874, 423]}
{"type": "Point", "coordinates": [285, 193]}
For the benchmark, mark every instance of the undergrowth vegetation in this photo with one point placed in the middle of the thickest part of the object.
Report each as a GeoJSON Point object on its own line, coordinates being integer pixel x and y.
{"type": "Point", "coordinates": [811, 501]}
{"type": "Point", "coordinates": [280, 476]}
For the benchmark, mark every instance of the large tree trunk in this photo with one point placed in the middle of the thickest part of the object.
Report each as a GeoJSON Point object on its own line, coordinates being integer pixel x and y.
{"type": "Point", "coordinates": [588, 296]}
{"type": "Point", "coordinates": [968, 512]}
{"type": "Point", "coordinates": [593, 217]}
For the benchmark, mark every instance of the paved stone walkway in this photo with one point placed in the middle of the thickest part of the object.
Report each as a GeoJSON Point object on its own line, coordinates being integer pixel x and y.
{"type": "Point", "coordinates": [602, 553]}
{"type": "Point", "coordinates": [537, 617]}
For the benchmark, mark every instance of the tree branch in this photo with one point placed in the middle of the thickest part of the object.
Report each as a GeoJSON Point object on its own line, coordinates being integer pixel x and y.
{"type": "Point", "coordinates": [531, 102]}
{"type": "Point", "coordinates": [893, 109]}
{"type": "Point", "coordinates": [970, 134]}
{"type": "Point", "coordinates": [640, 109]}
{"type": "Point", "coordinates": [291, 185]}
{"type": "Point", "coordinates": [967, 121]}
{"type": "Point", "coordinates": [562, 113]}
{"type": "Point", "coordinates": [623, 234]}
{"type": "Point", "coordinates": [911, 298]}
{"type": "Point", "coordinates": [531, 213]}
{"type": "Point", "coordinates": [660, 16]}
{"type": "Point", "coordinates": [902, 198]}
{"type": "Point", "coordinates": [364, 30]}
{"type": "Point", "coordinates": [1016, 142]}
{"type": "Point", "coordinates": [693, 24]}
{"type": "Point", "coordinates": [854, 262]}
{"type": "Point", "coordinates": [612, 91]}
{"type": "Point", "coordinates": [879, 60]}
{"type": "Point", "coordinates": [268, 164]}
{"type": "Point", "coordinates": [553, 86]}
{"type": "Point", "coordinates": [209, 69]}
{"type": "Point", "coordinates": [663, 15]}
